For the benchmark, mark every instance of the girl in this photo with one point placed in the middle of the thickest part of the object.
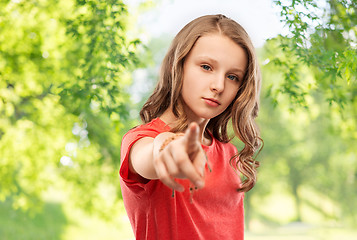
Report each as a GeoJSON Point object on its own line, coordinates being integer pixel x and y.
{"type": "Point", "coordinates": [179, 173]}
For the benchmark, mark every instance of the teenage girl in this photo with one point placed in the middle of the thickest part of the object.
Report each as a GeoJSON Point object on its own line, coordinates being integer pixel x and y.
{"type": "Point", "coordinates": [180, 175]}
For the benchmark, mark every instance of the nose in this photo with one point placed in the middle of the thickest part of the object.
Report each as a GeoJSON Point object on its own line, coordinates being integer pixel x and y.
{"type": "Point", "coordinates": [217, 84]}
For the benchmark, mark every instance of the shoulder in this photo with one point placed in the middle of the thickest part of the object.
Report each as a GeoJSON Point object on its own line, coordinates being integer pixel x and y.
{"type": "Point", "coordinates": [227, 149]}
{"type": "Point", "coordinates": [228, 146]}
{"type": "Point", "coordinates": [151, 129]}
{"type": "Point", "coordinates": [220, 150]}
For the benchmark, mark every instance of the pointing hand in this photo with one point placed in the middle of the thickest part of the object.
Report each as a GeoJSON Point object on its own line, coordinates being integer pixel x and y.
{"type": "Point", "coordinates": [182, 157]}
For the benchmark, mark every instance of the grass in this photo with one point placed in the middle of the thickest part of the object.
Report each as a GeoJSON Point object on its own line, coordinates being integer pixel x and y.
{"type": "Point", "coordinates": [59, 222]}
{"type": "Point", "coordinates": [16, 225]}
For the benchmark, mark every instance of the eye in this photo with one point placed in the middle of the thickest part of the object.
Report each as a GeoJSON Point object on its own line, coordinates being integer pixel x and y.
{"type": "Point", "coordinates": [206, 67]}
{"type": "Point", "coordinates": [233, 78]}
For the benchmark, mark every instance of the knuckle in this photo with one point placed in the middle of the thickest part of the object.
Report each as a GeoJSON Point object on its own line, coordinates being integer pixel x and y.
{"type": "Point", "coordinates": [169, 147]}
{"type": "Point", "coordinates": [157, 160]}
{"type": "Point", "coordinates": [180, 161]}
{"type": "Point", "coordinates": [164, 176]}
{"type": "Point", "coordinates": [174, 172]}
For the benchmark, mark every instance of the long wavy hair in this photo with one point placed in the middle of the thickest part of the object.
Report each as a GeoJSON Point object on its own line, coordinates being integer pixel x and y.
{"type": "Point", "coordinates": [242, 111]}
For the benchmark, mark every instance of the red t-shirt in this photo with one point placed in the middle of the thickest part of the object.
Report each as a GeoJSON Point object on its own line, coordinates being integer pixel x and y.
{"type": "Point", "coordinates": [214, 212]}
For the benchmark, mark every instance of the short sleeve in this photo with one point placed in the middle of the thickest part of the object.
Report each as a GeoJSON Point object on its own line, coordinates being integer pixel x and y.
{"type": "Point", "coordinates": [128, 141]}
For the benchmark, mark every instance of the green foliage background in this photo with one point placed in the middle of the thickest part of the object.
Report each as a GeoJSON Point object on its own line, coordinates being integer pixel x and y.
{"type": "Point", "coordinates": [309, 113]}
{"type": "Point", "coordinates": [64, 70]}
{"type": "Point", "coordinates": [65, 82]}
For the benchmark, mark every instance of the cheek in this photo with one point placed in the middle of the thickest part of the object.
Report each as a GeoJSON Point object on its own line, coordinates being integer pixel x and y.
{"type": "Point", "coordinates": [191, 82]}
{"type": "Point", "coordinates": [229, 102]}
{"type": "Point", "coordinates": [187, 87]}
{"type": "Point", "coordinates": [233, 93]}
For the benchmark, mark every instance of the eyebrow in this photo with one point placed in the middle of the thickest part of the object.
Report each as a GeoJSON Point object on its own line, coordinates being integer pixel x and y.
{"type": "Point", "coordinates": [205, 57]}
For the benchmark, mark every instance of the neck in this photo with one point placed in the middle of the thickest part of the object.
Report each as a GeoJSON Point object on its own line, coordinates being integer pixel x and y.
{"type": "Point", "coordinates": [169, 118]}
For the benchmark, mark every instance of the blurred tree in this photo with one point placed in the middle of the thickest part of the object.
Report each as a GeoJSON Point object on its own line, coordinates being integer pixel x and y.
{"type": "Point", "coordinates": [64, 72]}
{"type": "Point", "coordinates": [311, 134]}
{"type": "Point", "coordinates": [323, 36]}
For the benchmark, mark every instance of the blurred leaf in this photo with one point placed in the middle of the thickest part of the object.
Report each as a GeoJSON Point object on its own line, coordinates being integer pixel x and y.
{"type": "Point", "coordinates": [64, 72]}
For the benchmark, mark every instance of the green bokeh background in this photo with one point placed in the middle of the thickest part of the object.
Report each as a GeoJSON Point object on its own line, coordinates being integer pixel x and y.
{"type": "Point", "coordinates": [73, 76]}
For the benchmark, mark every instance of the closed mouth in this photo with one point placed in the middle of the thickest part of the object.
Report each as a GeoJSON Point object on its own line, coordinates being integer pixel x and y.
{"type": "Point", "coordinates": [213, 100]}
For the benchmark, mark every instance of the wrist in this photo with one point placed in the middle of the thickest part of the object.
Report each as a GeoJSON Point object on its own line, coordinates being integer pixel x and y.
{"type": "Point", "coordinates": [169, 139]}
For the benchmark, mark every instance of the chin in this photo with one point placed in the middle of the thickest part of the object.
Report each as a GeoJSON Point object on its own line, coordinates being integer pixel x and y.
{"type": "Point", "coordinates": [207, 116]}
{"type": "Point", "coordinates": [202, 114]}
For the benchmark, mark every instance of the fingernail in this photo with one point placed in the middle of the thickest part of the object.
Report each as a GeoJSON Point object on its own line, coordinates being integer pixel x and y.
{"type": "Point", "coordinates": [181, 189]}
{"type": "Point", "coordinates": [199, 184]}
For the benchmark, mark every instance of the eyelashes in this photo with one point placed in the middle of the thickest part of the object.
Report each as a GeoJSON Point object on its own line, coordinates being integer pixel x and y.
{"type": "Point", "coordinates": [232, 77]}
{"type": "Point", "coordinates": [206, 67]}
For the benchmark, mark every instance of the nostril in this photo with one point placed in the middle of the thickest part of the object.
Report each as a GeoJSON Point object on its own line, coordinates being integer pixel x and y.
{"type": "Point", "coordinates": [217, 88]}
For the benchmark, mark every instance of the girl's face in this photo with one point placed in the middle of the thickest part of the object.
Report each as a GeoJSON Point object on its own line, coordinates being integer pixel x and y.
{"type": "Point", "coordinates": [213, 72]}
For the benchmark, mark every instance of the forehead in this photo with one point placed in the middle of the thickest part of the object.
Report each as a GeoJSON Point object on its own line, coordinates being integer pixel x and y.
{"type": "Point", "coordinates": [220, 48]}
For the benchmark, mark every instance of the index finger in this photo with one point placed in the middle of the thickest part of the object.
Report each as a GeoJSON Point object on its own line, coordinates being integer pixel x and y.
{"type": "Point", "coordinates": [191, 136]}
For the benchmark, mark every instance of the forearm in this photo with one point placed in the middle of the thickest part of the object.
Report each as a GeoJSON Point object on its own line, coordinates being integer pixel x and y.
{"type": "Point", "coordinates": [143, 153]}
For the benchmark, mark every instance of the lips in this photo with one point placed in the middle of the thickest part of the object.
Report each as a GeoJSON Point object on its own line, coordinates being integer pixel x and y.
{"type": "Point", "coordinates": [212, 102]}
